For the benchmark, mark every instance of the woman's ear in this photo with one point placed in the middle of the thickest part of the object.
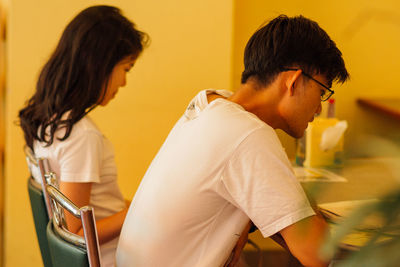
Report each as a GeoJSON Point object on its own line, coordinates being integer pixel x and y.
{"type": "Point", "coordinates": [292, 80]}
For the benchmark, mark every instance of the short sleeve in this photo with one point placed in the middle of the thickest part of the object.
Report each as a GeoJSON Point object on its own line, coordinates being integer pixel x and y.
{"type": "Point", "coordinates": [260, 181]}
{"type": "Point", "coordinates": [80, 157]}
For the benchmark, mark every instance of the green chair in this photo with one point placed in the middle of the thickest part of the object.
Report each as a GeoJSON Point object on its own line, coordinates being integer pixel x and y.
{"type": "Point", "coordinates": [40, 218]}
{"type": "Point", "coordinates": [39, 207]}
{"type": "Point", "coordinates": [66, 248]}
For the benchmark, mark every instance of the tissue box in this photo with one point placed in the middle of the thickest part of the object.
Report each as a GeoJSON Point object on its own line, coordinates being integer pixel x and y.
{"type": "Point", "coordinates": [314, 155]}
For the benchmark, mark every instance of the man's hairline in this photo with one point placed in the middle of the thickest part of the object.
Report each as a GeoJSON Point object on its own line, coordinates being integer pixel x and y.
{"type": "Point", "coordinates": [261, 84]}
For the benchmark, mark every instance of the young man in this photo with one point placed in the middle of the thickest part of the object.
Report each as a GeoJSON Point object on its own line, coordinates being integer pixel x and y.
{"type": "Point", "coordinates": [223, 166]}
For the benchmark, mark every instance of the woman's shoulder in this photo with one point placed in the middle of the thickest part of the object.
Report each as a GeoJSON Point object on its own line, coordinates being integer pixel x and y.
{"type": "Point", "coordinates": [84, 135]}
{"type": "Point", "coordinates": [86, 126]}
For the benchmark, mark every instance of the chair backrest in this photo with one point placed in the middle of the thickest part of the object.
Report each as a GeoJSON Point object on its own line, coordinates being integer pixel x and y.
{"type": "Point", "coordinates": [69, 249]}
{"type": "Point", "coordinates": [40, 218]}
{"type": "Point", "coordinates": [39, 208]}
{"type": "Point", "coordinates": [40, 167]}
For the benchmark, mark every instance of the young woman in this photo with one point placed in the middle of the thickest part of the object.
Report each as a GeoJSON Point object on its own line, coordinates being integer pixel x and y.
{"type": "Point", "coordinates": [96, 50]}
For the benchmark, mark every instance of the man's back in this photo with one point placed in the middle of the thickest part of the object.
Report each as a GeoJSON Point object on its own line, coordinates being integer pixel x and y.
{"type": "Point", "coordinates": [197, 195]}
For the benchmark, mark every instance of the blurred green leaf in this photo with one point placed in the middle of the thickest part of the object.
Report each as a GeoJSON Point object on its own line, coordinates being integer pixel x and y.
{"type": "Point", "coordinates": [382, 249]}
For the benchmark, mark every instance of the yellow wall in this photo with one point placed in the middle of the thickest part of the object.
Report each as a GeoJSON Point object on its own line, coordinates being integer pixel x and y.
{"type": "Point", "coordinates": [3, 15]}
{"type": "Point", "coordinates": [190, 50]}
{"type": "Point", "coordinates": [367, 33]}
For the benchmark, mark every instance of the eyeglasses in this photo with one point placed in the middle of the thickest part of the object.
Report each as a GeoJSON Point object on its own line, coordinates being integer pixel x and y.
{"type": "Point", "coordinates": [326, 94]}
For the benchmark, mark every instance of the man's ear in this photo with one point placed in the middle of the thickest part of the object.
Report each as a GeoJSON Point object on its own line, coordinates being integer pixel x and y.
{"type": "Point", "coordinates": [292, 80]}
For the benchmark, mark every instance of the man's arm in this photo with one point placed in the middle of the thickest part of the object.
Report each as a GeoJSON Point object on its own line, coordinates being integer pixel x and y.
{"type": "Point", "coordinates": [305, 238]}
{"type": "Point", "coordinates": [237, 250]}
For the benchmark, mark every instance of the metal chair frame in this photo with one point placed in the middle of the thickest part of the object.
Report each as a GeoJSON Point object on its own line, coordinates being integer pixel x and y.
{"type": "Point", "coordinates": [90, 241]}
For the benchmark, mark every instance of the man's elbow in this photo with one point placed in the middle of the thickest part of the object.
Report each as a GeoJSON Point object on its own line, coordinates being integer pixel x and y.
{"type": "Point", "coordinates": [305, 240]}
{"type": "Point", "coordinates": [311, 259]}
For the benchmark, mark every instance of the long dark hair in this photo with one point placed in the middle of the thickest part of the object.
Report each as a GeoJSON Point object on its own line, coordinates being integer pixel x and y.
{"type": "Point", "coordinates": [73, 78]}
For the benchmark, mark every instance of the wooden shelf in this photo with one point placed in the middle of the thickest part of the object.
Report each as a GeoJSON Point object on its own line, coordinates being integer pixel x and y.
{"type": "Point", "coordinates": [386, 106]}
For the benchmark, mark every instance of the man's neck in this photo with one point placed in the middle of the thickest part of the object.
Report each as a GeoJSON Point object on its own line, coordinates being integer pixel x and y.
{"type": "Point", "coordinates": [212, 96]}
{"type": "Point", "coordinates": [261, 101]}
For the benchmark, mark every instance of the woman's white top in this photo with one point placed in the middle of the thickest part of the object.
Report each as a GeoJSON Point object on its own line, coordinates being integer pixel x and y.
{"type": "Point", "coordinates": [87, 156]}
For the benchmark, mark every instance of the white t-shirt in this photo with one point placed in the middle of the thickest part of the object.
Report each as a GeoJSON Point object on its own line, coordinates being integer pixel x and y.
{"type": "Point", "coordinates": [219, 167]}
{"type": "Point", "coordinates": [88, 156]}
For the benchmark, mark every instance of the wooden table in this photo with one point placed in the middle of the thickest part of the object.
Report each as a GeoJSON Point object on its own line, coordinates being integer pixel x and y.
{"type": "Point", "coordinates": [367, 178]}
{"type": "Point", "coordinates": [386, 106]}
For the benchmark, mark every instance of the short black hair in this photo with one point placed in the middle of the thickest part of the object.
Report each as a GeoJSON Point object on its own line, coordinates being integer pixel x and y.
{"type": "Point", "coordinates": [292, 42]}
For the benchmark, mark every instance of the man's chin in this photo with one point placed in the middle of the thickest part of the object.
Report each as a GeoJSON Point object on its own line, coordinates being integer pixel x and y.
{"type": "Point", "coordinates": [298, 135]}
{"type": "Point", "coordinates": [295, 134]}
